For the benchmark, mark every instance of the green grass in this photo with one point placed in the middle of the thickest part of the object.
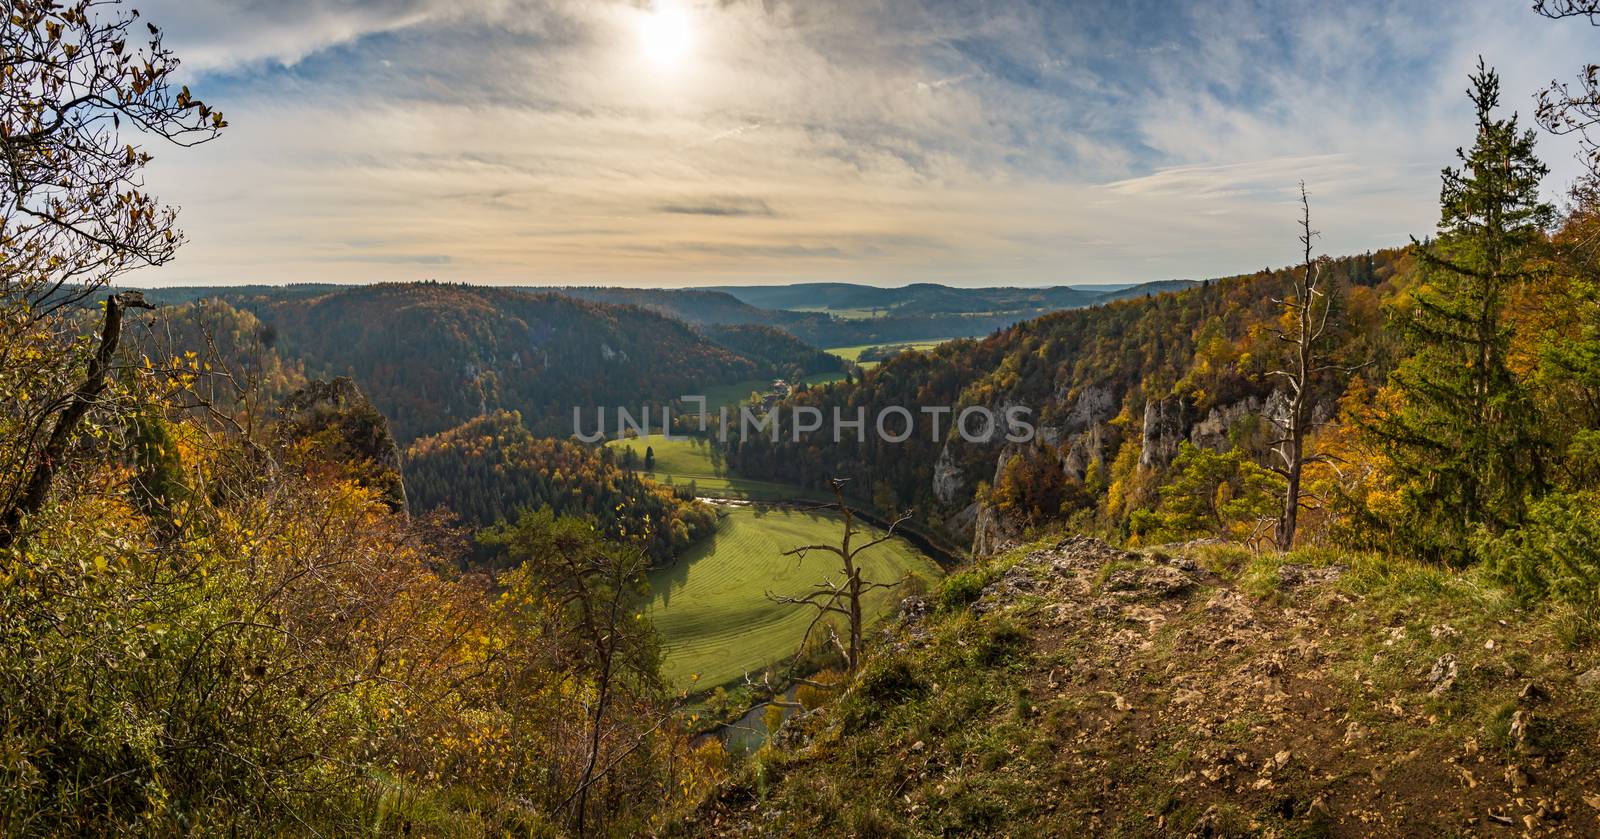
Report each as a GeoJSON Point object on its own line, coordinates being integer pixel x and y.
{"type": "Point", "coordinates": [711, 606]}
{"type": "Point", "coordinates": [735, 394]}
{"type": "Point", "coordinates": [847, 314]}
{"type": "Point", "coordinates": [680, 461]}
{"type": "Point", "coordinates": [854, 353]}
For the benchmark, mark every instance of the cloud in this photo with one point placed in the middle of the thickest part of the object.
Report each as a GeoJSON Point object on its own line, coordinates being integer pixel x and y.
{"type": "Point", "coordinates": [1271, 178]}
{"type": "Point", "coordinates": [726, 206]}
{"type": "Point", "coordinates": [521, 141]}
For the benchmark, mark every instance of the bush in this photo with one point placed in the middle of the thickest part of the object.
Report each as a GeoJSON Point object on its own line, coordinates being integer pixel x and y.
{"type": "Point", "coordinates": [888, 682]}
{"type": "Point", "coordinates": [960, 590]}
{"type": "Point", "coordinates": [1555, 555]}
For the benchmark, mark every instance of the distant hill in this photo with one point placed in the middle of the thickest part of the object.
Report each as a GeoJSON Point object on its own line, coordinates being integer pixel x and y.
{"type": "Point", "coordinates": [774, 347]}
{"type": "Point", "coordinates": [697, 306]}
{"type": "Point", "coordinates": [533, 350]}
{"type": "Point", "coordinates": [432, 356]}
{"type": "Point", "coordinates": [188, 294]}
{"type": "Point", "coordinates": [933, 298]}
{"type": "Point", "coordinates": [848, 314]}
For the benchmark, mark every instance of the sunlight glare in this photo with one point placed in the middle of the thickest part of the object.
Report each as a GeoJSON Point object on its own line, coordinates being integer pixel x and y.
{"type": "Point", "coordinates": [664, 34]}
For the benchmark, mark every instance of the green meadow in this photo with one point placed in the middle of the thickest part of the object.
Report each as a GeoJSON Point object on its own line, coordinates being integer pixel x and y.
{"type": "Point", "coordinates": [854, 353]}
{"type": "Point", "coordinates": [711, 607]}
{"type": "Point", "coordinates": [679, 462]}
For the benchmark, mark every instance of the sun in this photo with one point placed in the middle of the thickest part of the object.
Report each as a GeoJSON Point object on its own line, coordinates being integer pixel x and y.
{"type": "Point", "coordinates": [664, 34]}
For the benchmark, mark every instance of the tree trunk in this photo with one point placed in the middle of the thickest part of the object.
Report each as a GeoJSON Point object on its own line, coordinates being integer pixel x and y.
{"type": "Point", "coordinates": [37, 489]}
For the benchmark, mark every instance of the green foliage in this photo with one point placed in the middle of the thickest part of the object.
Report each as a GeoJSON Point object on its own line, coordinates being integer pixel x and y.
{"type": "Point", "coordinates": [492, 468]}
{"type": "Point", "coordinates": [888, 681]}
{"type": "Point", "coordinates": [1464, 443]}
{"type": "Point", "coordinates": [159, 487]}
{"type": "Point", "coordinates": [1033, 486]}
{"type": "Point", "coordinates": [962, 588]}
{"type": "Point", "coordinates": [1555, 554]}
{"type": "Point", "coordinates": [1211, 494]}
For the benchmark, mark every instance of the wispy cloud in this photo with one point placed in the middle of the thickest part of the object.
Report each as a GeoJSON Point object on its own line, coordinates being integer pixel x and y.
{"type": "Point", "coordinates": [727, 206]}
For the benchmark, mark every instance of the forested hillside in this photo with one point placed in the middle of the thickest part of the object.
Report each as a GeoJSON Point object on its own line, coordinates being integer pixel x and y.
{"type": "Point", "coordinates": [492, 468]}
{"type": "Point", "coordinates": [432, 356]}
{"type": "Point", "coordinates": [776, 349]}
{"type": "Point", "coordinates": [1087, 375]}
{"type": "Point", "coordinates": [701, 307]}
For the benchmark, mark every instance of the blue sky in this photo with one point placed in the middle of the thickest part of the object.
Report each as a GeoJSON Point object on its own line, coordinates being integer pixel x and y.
{"type": "Point", "coordinates": [680, 142]}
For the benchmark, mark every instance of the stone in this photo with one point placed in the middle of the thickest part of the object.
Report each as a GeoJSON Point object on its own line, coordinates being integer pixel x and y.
{"type": "Point", "coordinates": [1156, 580]}
{"type": "Point", "coordinates": [1294, 575]}
{"type": "Point", "coordinates": [1443, 675]}
{"type": "Point", "coordinates": [1590, 679]}
{"type": "Point", "coordinates": [948, 479]}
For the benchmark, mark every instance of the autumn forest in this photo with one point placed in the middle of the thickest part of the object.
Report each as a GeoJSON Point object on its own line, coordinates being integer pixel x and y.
{"type": "Point", "coordinates": [1310, 550]}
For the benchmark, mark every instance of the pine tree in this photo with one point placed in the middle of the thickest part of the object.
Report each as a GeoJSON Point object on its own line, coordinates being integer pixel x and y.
{"type": "Point", "coordinates": [1462, 438]}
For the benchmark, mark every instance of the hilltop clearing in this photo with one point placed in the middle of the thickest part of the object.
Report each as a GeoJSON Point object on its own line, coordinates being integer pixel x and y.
{"type": "Point", "coordinates": [1077, 689]}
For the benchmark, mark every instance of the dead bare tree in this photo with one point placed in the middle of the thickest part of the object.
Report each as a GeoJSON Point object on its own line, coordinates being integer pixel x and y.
{"type": "Point", "coordinates": [1309, 308]}
{"type": "Point", "coordinates": [1558, 9]}
{"type": "Point", "coordinates": [842, 596]}
{"type": "Point", "coordinates": [1563, 108]}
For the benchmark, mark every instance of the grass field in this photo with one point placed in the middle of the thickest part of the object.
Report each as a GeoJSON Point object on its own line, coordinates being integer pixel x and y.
{"type": "Point", "coordinates": [711, 606]}
{"type": "Point", "coordinates": [680, 461]}
{"type": "Point", "coordinates": [735, 393]}
{"type": "Point", "coordinates": [847, 314]}
{"type": "Point", "coordinates": [854, 353]}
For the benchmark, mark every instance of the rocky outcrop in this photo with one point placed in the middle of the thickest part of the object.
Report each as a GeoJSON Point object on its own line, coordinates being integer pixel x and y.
{"type": "Point", "coordinates": [1214, 432]}
{"type": "Point", "coordinates": [994, 532]}
{"type": "Point", "coordinates": [1095, 404]}
{"type": "Point", "coordinates": [1089, 448]}
{"type": "Point", "coordinates": [948, 480]}
{"type": "Point", "coordinates": [1164, 430]}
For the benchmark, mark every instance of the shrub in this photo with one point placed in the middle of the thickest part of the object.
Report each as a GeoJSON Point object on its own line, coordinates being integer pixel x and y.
{"type": "Point", "coordinates": [889, 681]}
{"type": "Point", "coordinates": [960, 590]}
{"type": "Point", "coordinates": [1555, 555]}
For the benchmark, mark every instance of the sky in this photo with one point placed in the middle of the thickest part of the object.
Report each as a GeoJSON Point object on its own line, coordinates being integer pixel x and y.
{"type": "Point", "coordinates": [713, 142]}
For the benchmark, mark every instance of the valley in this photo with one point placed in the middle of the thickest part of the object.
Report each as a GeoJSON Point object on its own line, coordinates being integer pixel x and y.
{"type": "Point", "coordinates": [407, 526]}
{"type": "Point", "coordinates": [868, 356]}
{"type": "Point", "coordinates": [712, 609]}
{"type": "Point", "coordinates": [710, 604]}
{"type": "Point", "coordinates": [689, 464]}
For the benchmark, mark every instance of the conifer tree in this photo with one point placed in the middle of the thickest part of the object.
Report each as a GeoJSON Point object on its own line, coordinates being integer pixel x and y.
{"type": "Point", "coordinates": [1462, 437]}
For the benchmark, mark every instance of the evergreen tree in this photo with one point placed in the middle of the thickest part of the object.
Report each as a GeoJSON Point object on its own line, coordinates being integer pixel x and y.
{"type": "Point", "coordinates": [1462, 437]}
